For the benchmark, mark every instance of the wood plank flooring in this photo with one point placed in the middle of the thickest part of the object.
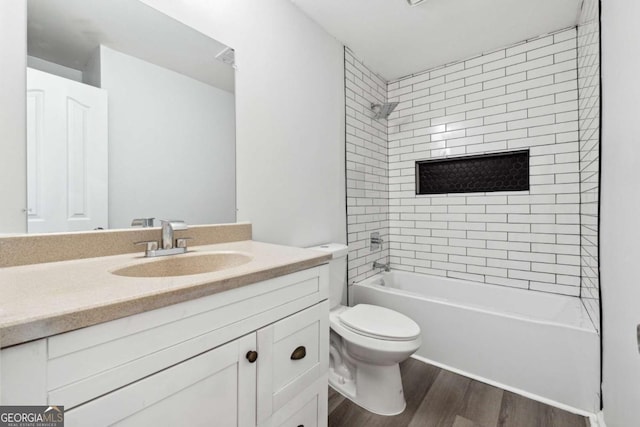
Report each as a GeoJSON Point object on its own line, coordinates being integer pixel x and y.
{"type": "Point", "coordinates": [439, 398]}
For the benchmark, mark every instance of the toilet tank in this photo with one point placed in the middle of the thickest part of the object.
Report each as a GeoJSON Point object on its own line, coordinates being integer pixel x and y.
{"type": "Point", "coordinates": [337, 272]}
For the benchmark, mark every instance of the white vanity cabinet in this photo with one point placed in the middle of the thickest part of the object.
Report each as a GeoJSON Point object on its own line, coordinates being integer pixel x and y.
{"type": "Point", "coordinates": [190, 363]}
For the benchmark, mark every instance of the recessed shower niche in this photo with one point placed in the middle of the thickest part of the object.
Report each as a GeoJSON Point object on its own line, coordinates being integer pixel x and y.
{"type": "Point", "coordinates": [470, 174]}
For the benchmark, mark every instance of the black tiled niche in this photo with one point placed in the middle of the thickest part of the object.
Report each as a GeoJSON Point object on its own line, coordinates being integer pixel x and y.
{"type": "Point", "coordinates": [470, 174]}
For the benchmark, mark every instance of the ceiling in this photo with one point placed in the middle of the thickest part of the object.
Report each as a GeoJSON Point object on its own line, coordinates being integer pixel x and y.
{"type": "Point", "coordinates": [396, 40]}
{"type": "Point", "coordinates": [68, 31]}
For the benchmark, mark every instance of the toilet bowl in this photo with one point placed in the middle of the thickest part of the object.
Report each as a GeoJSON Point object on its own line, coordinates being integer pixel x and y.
{"type": "Point", "coordinates": [367, 344]}
{"type": "Point", "coordinates": [365, 355]}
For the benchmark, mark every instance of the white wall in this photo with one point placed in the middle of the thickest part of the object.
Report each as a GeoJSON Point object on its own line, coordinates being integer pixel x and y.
{"type": "Point", "coordinates": [53, 68]}
{"type": "Point", "coordinates": [13, 147]}
{"type": "Point", "coordinates": [620, 211]}
{"type": "Point", "coordinates": [91, 72]}
{"type": "Point", "coordinates": [289, 116]}
{"type": "Point", "coordinates": [171, 144]}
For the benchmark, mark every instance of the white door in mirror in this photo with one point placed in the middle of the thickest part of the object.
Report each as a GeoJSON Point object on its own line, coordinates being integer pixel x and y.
{"type": "Point", "coordinates": [66, 154]}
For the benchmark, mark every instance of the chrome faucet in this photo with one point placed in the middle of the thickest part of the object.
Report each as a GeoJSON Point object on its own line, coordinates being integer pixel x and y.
{"type": "Point", "coordinates": [167, 231]}
{"type": "Point", "coordinates": [386, 266]}
{"type": "Point", "coordinates": [169, 245]}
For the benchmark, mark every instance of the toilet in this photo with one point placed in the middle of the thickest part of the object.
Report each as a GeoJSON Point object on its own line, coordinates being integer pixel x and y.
{"type": "Point", "coordinates": [367, 344]}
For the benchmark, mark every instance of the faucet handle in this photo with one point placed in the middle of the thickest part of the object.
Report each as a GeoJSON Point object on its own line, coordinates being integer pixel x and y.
{"type": "Point", "coordinates": [142, 222]}
{"type": "Point", "coordinates": [151, 245]}
{"type": "Point", "coordinates": [182, 242]}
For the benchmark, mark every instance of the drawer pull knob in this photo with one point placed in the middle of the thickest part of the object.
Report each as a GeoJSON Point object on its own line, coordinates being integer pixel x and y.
{"type": "Point", "coordinates": [299, 353]}
{"type": "Point", "coordinates": [301, 425]}
{"type": "Point", "coordinates": [252, 356]}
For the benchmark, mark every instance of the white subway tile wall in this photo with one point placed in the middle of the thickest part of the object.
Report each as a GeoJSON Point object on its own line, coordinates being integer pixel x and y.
{"type": "Point", "coordinates": [542, 95]}
{"type": "Point", "coordinates": [367, 168]}
{"type": "Point", "coordinates": [589, 126]}
{"type": "Point", "coordinates": [521, 97]}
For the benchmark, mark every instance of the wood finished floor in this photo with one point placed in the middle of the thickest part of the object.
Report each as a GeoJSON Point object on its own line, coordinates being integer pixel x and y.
{"type": "Point", "coordinates": [436, 397]}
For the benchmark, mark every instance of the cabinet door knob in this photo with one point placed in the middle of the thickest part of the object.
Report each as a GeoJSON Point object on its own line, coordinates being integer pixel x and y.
{"type": "Point", "coordinates": [299, 353]}
{"type": "Point", "coordinates": [252, 356]}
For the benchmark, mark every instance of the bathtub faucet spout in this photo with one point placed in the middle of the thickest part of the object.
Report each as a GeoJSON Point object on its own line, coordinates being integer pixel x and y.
{"type": "Point", "coordinates": [386, 266]}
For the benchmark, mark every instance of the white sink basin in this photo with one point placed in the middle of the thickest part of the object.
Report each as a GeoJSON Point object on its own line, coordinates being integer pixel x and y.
{"type": "Point", "coordinates": [184, 265]}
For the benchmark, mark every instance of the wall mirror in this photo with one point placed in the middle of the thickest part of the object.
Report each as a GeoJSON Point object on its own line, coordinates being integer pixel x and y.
{"type": "Point", "coordinates": [130, 114]}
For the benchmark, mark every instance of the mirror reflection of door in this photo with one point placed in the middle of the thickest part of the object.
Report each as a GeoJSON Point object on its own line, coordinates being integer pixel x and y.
{"type": "Point", "coordinates": [66, 154]}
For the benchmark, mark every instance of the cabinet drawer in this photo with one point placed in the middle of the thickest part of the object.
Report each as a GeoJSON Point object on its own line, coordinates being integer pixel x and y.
{"type": "Point", "coordinates": [295, 353]}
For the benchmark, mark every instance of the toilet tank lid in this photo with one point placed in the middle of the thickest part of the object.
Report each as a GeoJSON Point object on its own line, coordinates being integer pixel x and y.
{"type": "Point", "coordinates": [337, 250]}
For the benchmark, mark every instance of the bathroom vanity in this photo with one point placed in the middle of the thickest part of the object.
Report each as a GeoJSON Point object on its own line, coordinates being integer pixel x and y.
{"type": "Point", "coordinates": [245, 345]}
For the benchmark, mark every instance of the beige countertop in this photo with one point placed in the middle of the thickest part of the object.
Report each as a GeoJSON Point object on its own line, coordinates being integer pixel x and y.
{"type": "Point", "coordinates": [41, 300]}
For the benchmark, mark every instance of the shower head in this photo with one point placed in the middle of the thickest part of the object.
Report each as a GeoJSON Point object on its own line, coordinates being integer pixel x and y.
{"type": "Point", "coordinates": [382, 111]}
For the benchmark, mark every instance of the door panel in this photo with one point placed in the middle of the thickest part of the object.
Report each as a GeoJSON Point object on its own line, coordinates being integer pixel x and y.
{"type": "Point", "coordinates": [67, 154]}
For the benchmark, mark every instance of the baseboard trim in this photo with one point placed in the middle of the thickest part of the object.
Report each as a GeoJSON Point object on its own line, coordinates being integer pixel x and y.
{"type": "Point", "coordinates": [592, 417]}
{"type": "Point", "coordinates": [597, 420]}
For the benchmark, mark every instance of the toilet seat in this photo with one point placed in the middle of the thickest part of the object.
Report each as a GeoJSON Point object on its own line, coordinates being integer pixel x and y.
{"type": "Point", "coordinates": [371, 343]}
{"type": "Point", "coordinates": [379, 323]}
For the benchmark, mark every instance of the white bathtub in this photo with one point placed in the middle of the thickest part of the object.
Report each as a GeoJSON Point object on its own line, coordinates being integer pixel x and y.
{"type": "Point", "coordinates": [540, 345]}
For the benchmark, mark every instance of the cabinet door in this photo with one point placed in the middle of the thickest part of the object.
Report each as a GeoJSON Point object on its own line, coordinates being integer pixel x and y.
{"type": "Point", "coordinates": [216, 388]}
{"type": "Point", "coordinates": [294, 353]}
